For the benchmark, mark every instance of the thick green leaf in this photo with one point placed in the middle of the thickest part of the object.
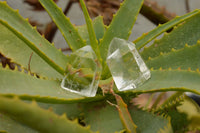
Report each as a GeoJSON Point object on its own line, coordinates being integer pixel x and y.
{"type": "Point", "coordinates": [104, 118]}
{"type": "Point", "coordinates": [170, 80]}
{"type": "Point", "coordinates": [149, 123]}
{"type": "Point", "coordinates": [20, 53]}
{"type": "Point", "coordinates": [187, 57]}
{"type": "Point", "coordinates": [147, 37]}
{"type": "Point", "coordinates": [11, 126]}
{"type": "Point", "coordinates": [192, 109]}
{"type": "Point", "coordinates": [90, 28]}
{"type": "Point", "coordinates": [39, 119]}
{"type": "Point", "coordinates": [185, 33]}
{"type": "Point", "coordinates": [18, 35]}
{"type": "Point", "coordinates": [124, 115]}
{"type": "Point", "coordinates": [179, 120]}
{"type": "Point", "coordinates": [67, 29]}
{"type": "Point", "coordinates": [170, 103]}
{"type": "Point", "coordinates": [28, 87]}
{"type": "Point", "coordinates": [121, 24]}
{"type": "Point", "coordinates": [73, 110]}
{"type": "Point", "coordinates": [99, 30]}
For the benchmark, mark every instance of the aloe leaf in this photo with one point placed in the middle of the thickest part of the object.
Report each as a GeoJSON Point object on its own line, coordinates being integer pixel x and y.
{"type": "Point", "coordinates": [121, 24]}
{"type": "Point", "coordinates": [29, 87]}
{"type": "Point", "coordinates": [13, 23]}
{"type": "Point", "coordinates": [179, 120]}
{"type": "Point", "coordinates": [39, 119]}
{"type": "Point", "coordinates": [73, 110]}
{"type": "Point", "coordinates": [185, 33]}
{"type": "Point", "coordinates": [192, 109]}
{"type": "Point", "coordinates": [11, 126]}
{"type": "Point", "coordinates": [104, 118]}
{"type": "Point", "coordinates": [125, 116]}
{"type": "Point", "coordinates": [153, 123]}
{"type": "Point", "coordinates": [170, 80]}
{"type": "Point", "coordinates": [67, 29]}
{"type": "Point", "coordinates": [187, 57]}
{"type": "Point", "coordinates": [92, 36]}
{"type": "Point", "coordinates": [147, 37]}
{"type": "Point", "coordinates": [20, 53]}
{"type": "Point", "coordinates": [99, 30]}
{"type": "Point", "coordinates": [171, 103]}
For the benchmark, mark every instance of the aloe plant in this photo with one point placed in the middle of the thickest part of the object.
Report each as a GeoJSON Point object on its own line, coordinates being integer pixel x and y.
{"type": "Point", "coordinates": [32, 100]}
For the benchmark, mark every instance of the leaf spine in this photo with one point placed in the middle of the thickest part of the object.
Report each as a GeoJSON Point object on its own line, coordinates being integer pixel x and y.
{"type": "Point", "coordinates": [189, 68]}
{"type": "Point", "coordinates": [173, 50]}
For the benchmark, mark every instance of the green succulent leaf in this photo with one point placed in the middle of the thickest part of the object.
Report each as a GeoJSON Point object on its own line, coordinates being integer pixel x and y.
{"type": "Point", "coordinates": [192, 109]}
{"type": "Point", "coordinates": [179, 121]}
{"type": "Point", "coordinates": [104, 118]}
{"type": "Point", "coordinates": [121, 24]}
{"type": "Point", "coordinates": [187, 57]}
{"type": "Point", "coordinates": [186, 33]}
{"type": "Point", "coordinates": [147, 37]}
{"type": "Point", "coordinates": [99, 29]}
{"type": "Point", "coordinates": [29, 87]}
{"type": "Point", "coordinates": [38, 118]}
{"type": "Point", "coordinates": [11, 126]}
{"type": "Point", "coordinates": [90, 28]}
{"type": "Point", "coordinates": [124, 115]}
{"type": "Point", "coordinates": [171, 103]}
{"type": "Point", "coordinates": [169, 80]}
{"type": "Point", "coordinates": [69, 32]}
{"type": "Point", "coordinates": [19, 39]}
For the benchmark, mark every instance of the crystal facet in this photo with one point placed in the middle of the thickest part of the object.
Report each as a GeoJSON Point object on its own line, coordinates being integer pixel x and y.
{"type": "Point", "coordinates": [126, 65]}
{"type": "Point", "coordinates": [83, 72]}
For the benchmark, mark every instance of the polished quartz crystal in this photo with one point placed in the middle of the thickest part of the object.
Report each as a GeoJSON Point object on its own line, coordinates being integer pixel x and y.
{"type": "Point", "coordinates": [126, 65]}
{"type": "Point", "coordinates": [83, 72]}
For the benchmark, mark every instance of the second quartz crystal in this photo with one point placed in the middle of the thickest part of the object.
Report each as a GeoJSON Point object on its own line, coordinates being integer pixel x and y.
{"type": "Point", "coordinates": [126, 65]}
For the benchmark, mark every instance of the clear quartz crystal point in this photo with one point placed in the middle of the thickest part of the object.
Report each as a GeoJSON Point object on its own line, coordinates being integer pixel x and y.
{"type": "Point", "coordinates": [126, 65]}
{"type": "Point", "coordinates": [83, 72]}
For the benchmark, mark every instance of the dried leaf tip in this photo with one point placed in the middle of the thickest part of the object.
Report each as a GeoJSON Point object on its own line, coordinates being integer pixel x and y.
{"type": "Point", "coordinates": [189, 68]}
